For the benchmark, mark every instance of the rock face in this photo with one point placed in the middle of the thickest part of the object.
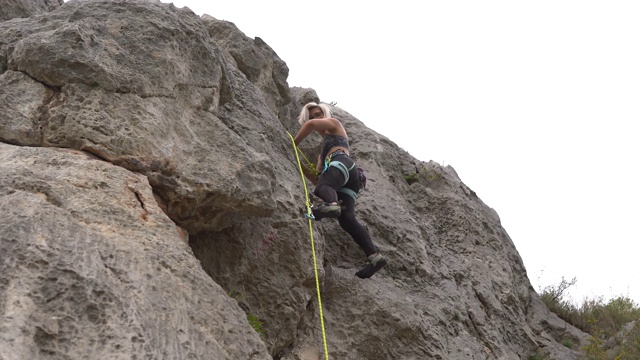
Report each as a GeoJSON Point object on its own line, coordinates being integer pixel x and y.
{"type": "Point", "coordinates": [11, 9]}
{"type": "Point", "coordinates": [152, 204]}
{"type": "Point", "coordinates": [92, 268]}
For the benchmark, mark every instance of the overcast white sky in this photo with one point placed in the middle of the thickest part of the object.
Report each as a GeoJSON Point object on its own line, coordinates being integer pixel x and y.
{"type": "Point", "coordinates": [535, 104]}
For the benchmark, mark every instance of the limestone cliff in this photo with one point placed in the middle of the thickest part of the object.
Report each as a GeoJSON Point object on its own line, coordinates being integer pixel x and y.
{"type": "Point", "coordinates": [150, 200]}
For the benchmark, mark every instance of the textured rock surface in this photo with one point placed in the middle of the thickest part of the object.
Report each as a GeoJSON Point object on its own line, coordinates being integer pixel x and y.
{"type": "Point", "coordinates": [255, 59]}
{"type": "Point", "coordinates": [92, 268]}
{"type": "Point", "coordinates": [10, 9]}
{"type": "Point", "coordinates": [115, 135]}
{"type": "Point", "coordinates": [150, 104]}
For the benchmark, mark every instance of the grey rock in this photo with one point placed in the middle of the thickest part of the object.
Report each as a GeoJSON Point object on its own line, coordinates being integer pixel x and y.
{"type": "Point", "coordinates": [455, 287]}
{"type": "Point", "coordinates": [11, 9]}
{"type": "Point", "coordinates": [254, 59]}
{"type": "Point", "coordinates": [92, 268]}
{"type": "Point", "coordinates": [147, 104]}
{"type": "Point", "coordinates": [152, 193]}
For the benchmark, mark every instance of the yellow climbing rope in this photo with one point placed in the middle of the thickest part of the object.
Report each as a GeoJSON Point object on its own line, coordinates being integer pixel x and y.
{"type": "Point", "coordinates": [313, 249]}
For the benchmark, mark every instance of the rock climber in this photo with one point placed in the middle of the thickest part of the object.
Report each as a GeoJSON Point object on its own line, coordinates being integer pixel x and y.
{"type": "Point", "coordinates": [338, 182]}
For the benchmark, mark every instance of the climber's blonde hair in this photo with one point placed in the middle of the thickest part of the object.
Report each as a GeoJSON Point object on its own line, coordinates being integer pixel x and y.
{"type": "Point", "coordinates": [304, 114]}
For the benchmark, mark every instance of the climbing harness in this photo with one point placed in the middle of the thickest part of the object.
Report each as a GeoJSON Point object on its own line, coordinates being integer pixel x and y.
{"type": "Point", "coordinates": [342, 167]}
{"type": "Point", "coordinates": [344, 170]}
{"type": "Point", "coordinates": [309, 216]}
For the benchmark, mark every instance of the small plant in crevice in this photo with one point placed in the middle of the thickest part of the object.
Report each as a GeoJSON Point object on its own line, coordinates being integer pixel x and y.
{"type": "Point", "coordinates": [237, 296]}
{"type": "Point", "coordinates": [568, 343]}
{"type": "Point", "coordinates": [256, 323]}
{"type": "Point", "coordinates": [433, 176]}
{"type": "Point", "coordinates": [253, 320]}
{"type": "Point", "coordinates": [456, 317]}
{"type": "Point", "coordinates": [410, 178]}
{"type": "Point", "coordinates": [421, 172]}
{"type": "Point", "coordinates": [538, 356]}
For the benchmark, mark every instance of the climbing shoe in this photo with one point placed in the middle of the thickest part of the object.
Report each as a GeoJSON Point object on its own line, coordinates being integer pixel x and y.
{"type": "Point", "coordinates": [325, 211]}
{"type": "Point", "coordinates": [372, 266]}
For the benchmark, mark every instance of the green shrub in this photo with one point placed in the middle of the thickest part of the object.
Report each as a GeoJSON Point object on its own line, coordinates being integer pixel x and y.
{"type": "Point", "coordinates": [594, 349]}
{"type": "Point", "coordinates": [554, 298]}
{"type": "Point", "coordinates": [630, 349]}
{"type": "Point", "coordinates": [613, 316]}
{"type": "Point", "coordinates": [599, 318]}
